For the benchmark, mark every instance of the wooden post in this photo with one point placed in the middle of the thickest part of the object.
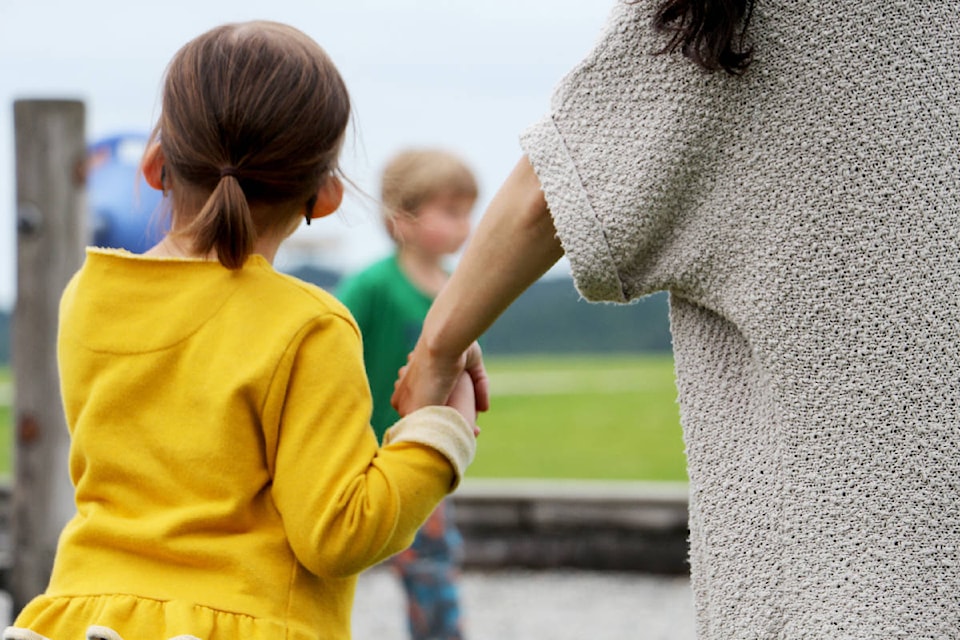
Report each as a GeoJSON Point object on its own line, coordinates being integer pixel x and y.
{"type": "Point", "coordinates": [51, 234]}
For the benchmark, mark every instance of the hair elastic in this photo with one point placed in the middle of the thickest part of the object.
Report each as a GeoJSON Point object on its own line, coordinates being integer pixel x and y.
{"type": "Point", "coordinates": [228, 171]}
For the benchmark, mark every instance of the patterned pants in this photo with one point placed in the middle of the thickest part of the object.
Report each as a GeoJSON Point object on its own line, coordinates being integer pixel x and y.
{"type": "Point", "coordinates": [429, 571]}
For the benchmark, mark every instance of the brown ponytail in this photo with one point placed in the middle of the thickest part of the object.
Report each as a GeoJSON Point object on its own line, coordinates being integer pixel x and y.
{"type": "Point", "coordinates": [253, 119]}
{"type": "Point", "coordinates": [225, 224]}
{"type": "Point", "coordinates": [708, 32]}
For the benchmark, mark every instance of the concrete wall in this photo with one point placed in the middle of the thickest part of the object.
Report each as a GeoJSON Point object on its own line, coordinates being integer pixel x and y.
{"type": "Point", "coordinates": [625, 526]}
{"type": "Point", "coordinates": [542, 524]}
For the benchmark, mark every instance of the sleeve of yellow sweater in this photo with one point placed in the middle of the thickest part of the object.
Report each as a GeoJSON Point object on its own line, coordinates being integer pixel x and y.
{"type": "Point", "coordinates": [346, 504]}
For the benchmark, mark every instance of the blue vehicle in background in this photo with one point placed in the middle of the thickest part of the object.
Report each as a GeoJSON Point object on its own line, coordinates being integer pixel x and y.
{"type": "Point", "coordinates": [124, 212]}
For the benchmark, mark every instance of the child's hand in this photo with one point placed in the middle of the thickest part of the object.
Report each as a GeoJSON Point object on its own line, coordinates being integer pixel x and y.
{"type": "Point", "coordinates": [463, 400]}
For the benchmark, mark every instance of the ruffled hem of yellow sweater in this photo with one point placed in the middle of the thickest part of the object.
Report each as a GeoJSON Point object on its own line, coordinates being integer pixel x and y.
{"type": "Point", "coordinates": [133, 617]}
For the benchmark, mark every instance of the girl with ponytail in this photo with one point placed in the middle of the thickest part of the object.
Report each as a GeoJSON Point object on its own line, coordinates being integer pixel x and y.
{"type": "Point", "coordinates": [228, 482]}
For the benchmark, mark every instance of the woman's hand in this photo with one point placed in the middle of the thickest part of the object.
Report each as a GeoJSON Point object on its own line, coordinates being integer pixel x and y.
{"type": "Point", "coordinates": [429, 378]}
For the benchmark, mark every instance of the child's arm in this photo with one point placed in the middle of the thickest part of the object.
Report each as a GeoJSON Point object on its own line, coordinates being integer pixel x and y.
{"type": "Point", "coordinates": [463, 400]}
{"type": "Point", "coordinates": [347, 504]}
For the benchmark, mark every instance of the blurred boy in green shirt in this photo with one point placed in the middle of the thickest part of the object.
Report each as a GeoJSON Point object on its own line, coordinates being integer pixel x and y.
{"type": "Point", "coordinates": [428, 196]}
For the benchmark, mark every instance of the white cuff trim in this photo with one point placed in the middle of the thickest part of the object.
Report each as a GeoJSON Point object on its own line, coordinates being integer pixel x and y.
{"type": "Point", "coordinates": [440, 428]}
{"type": "Point", "coordinates": [18, 633]}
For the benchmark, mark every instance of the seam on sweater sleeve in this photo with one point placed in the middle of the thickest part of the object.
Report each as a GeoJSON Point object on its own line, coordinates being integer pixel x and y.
{"type": "Point", "coordinates": [580, 231]}
{"type": "Point", "coordinates": [271, 408]}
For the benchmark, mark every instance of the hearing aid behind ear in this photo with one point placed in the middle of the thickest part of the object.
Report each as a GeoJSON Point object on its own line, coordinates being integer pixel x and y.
{"type": "Point", "coordinates": [311, 203]}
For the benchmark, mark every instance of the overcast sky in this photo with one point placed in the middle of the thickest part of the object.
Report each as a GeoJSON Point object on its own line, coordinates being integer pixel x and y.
{"type": "Point", "coordinates": [468, 76]}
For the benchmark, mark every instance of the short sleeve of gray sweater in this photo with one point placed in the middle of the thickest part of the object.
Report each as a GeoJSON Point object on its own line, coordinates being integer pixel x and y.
{"type": "Point", "coordinates": [805, 218]}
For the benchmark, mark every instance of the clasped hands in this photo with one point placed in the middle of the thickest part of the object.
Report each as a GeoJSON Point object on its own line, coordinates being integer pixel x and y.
{"type": "Point", "coordinates": [433, 378]}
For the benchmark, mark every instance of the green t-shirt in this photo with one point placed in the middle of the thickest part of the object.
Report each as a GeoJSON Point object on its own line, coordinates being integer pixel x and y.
{"type": "Point", "coordinates": [389, 310]}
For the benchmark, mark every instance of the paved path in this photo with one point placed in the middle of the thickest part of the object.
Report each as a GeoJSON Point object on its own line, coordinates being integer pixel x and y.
{"type": "Point", "coordinates": [550, 605]}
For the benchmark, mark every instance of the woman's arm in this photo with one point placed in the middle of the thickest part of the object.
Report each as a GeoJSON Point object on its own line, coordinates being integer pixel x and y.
{"type": "Point", "coordinates": [514, 244]}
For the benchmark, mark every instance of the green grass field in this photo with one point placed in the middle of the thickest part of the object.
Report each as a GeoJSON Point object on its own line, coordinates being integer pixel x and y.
{"type": "Point", "coordinates": [585, 417]}
{"type": "Point", "coordinates": [6, 425]}
{"type": "Point", "coordinates": [591, 417]}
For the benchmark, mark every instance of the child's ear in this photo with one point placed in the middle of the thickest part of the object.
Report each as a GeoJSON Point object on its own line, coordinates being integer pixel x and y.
{"type": "Point", "coordinates": [401, 225]}
{"type": "Point", "coordinates": [328, 199]}
{"type": "Point", "coordinates": [152, 166]}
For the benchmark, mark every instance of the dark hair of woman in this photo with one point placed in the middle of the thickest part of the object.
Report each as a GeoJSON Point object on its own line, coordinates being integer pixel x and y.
{"type": "Point", "coordinates": [708, 32]}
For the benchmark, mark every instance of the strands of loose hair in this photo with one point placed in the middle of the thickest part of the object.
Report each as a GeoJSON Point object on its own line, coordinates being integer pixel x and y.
{"type": "Point", "coordinates": [711, 33]}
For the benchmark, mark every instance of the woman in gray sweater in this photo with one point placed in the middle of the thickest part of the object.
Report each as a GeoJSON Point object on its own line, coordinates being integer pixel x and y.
{"type": "Point", "coordinates": [789, 170]}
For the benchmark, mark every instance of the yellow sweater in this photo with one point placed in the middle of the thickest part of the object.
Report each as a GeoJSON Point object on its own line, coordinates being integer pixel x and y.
{"type": "Point", "coordinates": [228, 483]}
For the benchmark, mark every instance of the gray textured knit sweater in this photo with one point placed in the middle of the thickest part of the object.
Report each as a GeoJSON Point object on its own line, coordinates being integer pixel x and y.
{"type": "Point", "coordinates": [806, 220]}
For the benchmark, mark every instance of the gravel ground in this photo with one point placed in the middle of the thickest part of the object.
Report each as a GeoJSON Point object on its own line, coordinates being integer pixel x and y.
{"type": "Point", "coordinates": [514, 604]}
{"type": "Point", "coordinates": [530, 605]}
